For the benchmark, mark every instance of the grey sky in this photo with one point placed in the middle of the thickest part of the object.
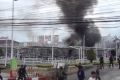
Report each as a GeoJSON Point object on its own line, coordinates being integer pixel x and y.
{"type": "Point", "coordinates": [44, 9]}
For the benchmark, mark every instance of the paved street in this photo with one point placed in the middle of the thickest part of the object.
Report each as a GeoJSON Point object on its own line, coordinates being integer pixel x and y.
{"type": "Point", "coordinates": [113, 74]}
{"type": "Point", "coordinates": [106, 74]}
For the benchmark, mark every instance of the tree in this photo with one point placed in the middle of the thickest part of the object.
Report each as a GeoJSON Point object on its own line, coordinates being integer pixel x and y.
{"type": "Point", "coordinates": [91, 55]}
{"type": "Point", "coordinates": [1, 52]}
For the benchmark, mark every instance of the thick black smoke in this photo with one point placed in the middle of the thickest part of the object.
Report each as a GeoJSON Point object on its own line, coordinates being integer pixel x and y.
{"type": "Point", "coordinates": [92, 36]}
{"type": "Point", "coordinates": [72, 40]}
{"type": "Point", "coordinates": [74, 12]}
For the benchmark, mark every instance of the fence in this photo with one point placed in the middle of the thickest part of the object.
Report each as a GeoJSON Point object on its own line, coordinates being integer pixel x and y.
{"type": "Point", "coordinates": [37, 61]}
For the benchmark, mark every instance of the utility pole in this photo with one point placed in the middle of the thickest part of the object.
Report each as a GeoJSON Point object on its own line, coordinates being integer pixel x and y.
{"type": "Point", "coordinates": [116, 47]}
{"type": "Point", "coordinates": [6, 52]}
{"type": "Point", "coordinates": [116, 50]}
{"type": "Point", "coordinates": [12, 29]}
{"type": "Point", "coordinates": [83, 48]}
{"type": "Point", "coordinates": [52, 39]}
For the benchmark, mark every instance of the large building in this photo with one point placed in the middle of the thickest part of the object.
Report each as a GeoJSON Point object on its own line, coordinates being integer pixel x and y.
{"type": "Point", "coordinates": [44, 41]}
{"type": "Point", "coordinates": [6, 43]}
{"type": "Point", "coordinates": [107, 44]}
{"type": "Point", "coordinates": [48, 40]}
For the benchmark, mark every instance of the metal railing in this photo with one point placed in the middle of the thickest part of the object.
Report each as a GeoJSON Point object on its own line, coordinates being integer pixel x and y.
{"type": "Point", "coordinates": [38, 61]}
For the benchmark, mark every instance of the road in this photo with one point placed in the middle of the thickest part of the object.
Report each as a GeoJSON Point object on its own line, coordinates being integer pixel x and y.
{"type": "Point", "coordinates": [106, 74]}
{"type": "Point", "coordinates": [113, 74]}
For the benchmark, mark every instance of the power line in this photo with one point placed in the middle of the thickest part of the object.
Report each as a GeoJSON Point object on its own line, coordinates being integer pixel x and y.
{"type": "Point", "coordinates": [95, 13]}
{"type": "Point", "coordinates": [31, 6]}
{"type": "Point", "coordinates": [75, 18]}
{"type": "Point", "coordinates": [103, 12]}
{"type": "Point", "coordinates": [99, 13]}
{"type": "Point", "coordinates": [60, 23]}
{"type": "Point", "coordinates": [59, 29]}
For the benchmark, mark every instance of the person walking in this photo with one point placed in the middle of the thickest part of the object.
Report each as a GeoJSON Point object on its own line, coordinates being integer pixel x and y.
{"type": "Point", "coordinates": [111, 59]}
{"type": "Point", "coordinates": [119, 62]}
{"type": "Point", "coordinates": [81, 73]}
{"type": "Point", "coordinates": [61, 74]}
{"type": "Point", "coordinates": [1, 78]}
{"type": "Point", "coordinates": [65, 71]}
{"type": "Point", "coordinates": [93, 76]}
{"type": "Point", "coordinates": [101, 62]}
{"type": "Point", "coordinates": [98, 73]}
{"type": "Point", "coordinates": [79, 65]}
{"type": "Point", "coordinates": [22, 74]}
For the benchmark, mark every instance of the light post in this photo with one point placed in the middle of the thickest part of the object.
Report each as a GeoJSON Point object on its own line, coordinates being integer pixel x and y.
{"type": "Point", "coordinates": [52, 42]}
{"type": "Point", "coordinates": [52, 39]}
{"type": "Point", "coordinates": [6, 52]}
{"type": "Point", "coordinates": [117, 40]}
{"type": "Point", "coordinates": [96, 47]}
{"type": "Point", "coordinates": [83, 54]}
{"type": "Point", "coordinates": [116, 49]}
{"type": "Point", "coordinates": [12, 43]}
{"type": "Point", "coordinates": [79, 54]}
{"type": "Point", "coordinates": [12, 29]}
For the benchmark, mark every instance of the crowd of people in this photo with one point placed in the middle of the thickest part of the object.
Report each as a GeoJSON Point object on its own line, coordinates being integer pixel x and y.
{"type": "Point", "coordinates": [62, 71]}
{"type": "Point", "coordinates": [22, 73]}
{"type": "Point", "coordinates": [95, 75]}
{"type": "Point", "coordinates": [111, 62]}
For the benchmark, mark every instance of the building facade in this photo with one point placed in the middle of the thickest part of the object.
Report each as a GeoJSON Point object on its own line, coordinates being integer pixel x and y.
{"type": "Point", "coordinates": [5, 45]}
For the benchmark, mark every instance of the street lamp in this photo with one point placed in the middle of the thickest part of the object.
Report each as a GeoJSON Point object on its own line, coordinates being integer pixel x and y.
{"type": "Point", "coordinates": [12, 29]}
{"type": "Point", "coordinates": [6, 51]}
{"type": "Point", "coordinates": [52, 39]}
{"type": "Point", "coordinates": [116, 49]}
{"type": "Point", "coordinates": [83, 50]}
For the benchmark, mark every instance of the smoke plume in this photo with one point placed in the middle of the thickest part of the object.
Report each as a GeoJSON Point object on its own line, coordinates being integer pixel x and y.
{"type": "Point", "coordinates": [74, 12]}
{"type": "Point", "coordinates": [92, 36]}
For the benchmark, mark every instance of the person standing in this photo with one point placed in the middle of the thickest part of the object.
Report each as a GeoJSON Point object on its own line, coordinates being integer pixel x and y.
{"type": "Point", "coordinates": [79, 65]}
{"type": "Point", "coordinates": [93, 76]}
{"type": "Point", "coordinates": [61, 74]}
{"type": "Point", "coordinates": [119, 62]}
{"type": "Point", "coordinates": [101, 62]}
{"type": "Point", "coordinates": [65, 71]}
{"type": "Point", "coordinates": [81, 73]}
{"type": "Point", "coordinates": [22, 73]}
{"type": "Point", "coordinates": [111, 59]}
{"type": "Point", "coordinates": [1, 78]}
{"type": "Point", "coordinates": [98, 73]}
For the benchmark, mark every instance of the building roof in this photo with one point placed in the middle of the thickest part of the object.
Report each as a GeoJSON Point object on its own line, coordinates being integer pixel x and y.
{"type": "Point", "coordinates": [8, 41]}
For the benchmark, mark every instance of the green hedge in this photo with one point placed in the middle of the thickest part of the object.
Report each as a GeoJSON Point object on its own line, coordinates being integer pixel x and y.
{"type": "Point", "coordinates": [45, 66]}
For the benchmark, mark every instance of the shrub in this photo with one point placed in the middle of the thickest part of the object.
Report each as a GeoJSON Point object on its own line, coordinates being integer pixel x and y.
{"type": "Point", "coordinates": [91, 55]}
